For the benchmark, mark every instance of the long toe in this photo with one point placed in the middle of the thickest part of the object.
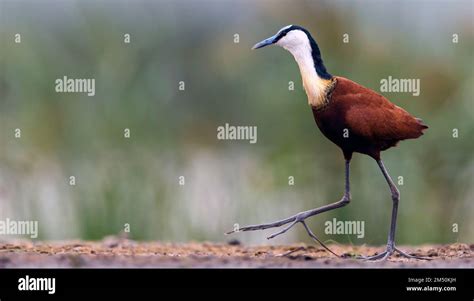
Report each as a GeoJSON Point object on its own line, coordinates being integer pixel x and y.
{"type": "Point", "coordinates": [382, 256]}
{"type": "Point", "coordinates": [403, 254]}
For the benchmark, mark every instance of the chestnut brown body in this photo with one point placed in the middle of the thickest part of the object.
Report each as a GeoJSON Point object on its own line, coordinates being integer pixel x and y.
{"type": "Point", "coordinates": [358, 119]}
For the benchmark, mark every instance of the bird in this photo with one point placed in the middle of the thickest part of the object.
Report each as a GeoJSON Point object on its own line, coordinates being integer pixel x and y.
{"type": "Point", "coordinates": [355, 118]}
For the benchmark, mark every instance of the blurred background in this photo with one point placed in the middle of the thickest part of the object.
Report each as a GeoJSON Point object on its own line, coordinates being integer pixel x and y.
{"type": "Point", "coordinates": [173, 132]}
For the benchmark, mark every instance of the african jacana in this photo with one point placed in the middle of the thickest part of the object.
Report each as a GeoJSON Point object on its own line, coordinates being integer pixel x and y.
{"type": "Point", "coordinates": [372, 124]}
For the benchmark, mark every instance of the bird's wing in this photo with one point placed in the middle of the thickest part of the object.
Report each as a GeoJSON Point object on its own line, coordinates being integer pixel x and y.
{"type": "Point", "coordinates": [372, 116]}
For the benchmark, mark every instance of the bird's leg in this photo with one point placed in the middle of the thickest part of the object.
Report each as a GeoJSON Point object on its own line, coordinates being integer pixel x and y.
{"type": "Point", "coordinates": [300, 217]}
{"type": "Point", "coordinates": [393, 224]}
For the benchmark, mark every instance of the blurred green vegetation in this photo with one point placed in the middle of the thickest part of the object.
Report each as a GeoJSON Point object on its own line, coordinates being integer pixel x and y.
{"type": "Point", "coordinates": [173, 133]}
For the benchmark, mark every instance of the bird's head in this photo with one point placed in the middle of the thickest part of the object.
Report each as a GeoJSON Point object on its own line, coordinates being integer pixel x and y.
{"type": "Point", "coordinates": [299, 42]}
{"type": "Point", "coordinates": [289, 37]}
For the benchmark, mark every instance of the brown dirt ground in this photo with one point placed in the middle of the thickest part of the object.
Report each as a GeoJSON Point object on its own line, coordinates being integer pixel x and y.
{"type": "Point", "coordinates": [116, 252]}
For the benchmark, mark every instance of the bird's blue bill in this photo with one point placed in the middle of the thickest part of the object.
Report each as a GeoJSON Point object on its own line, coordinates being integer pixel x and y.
{"type": "Point", "coordinates": [265, 42]}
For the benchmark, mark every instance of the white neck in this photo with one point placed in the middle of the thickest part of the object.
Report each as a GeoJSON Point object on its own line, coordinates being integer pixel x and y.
{"type": "Point", "coordinates": [297, 43]}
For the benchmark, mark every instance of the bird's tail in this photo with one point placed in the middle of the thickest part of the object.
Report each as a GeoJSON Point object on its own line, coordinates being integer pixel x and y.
{"type": "Point", "coordinates": [421, 123]}
{"type": "Point", "coordinates": [421, 126]}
